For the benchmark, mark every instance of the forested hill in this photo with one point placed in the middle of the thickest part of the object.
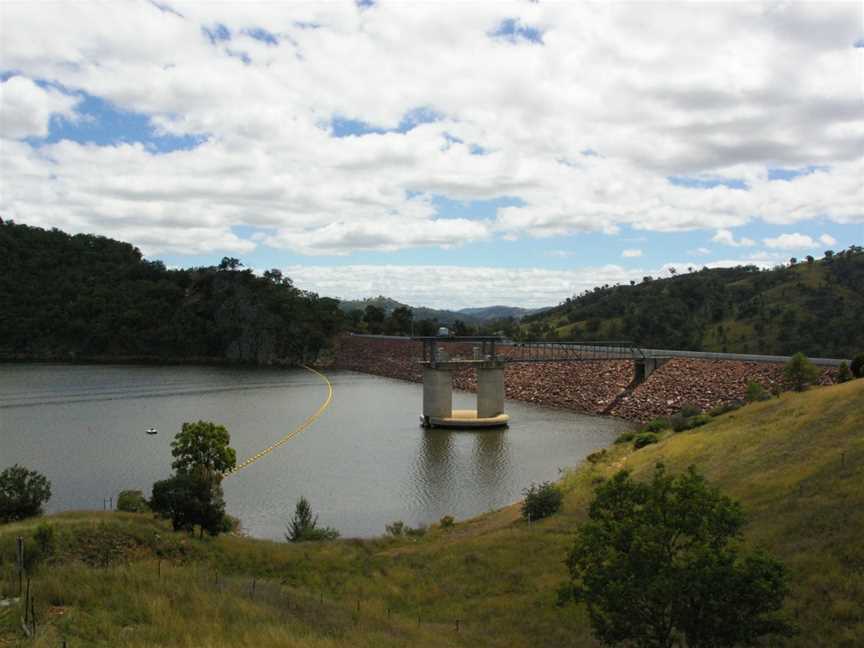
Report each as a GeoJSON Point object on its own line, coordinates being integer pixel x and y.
{"type": "Point", "coordinates": [814, 306]}
{"type": "Point", "coordinates": [90, 297]}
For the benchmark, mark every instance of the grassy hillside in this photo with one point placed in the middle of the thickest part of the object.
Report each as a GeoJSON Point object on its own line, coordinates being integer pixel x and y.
{"type": "Point", "coordinates": [796, 463]}
{"type": "Point", "coordinates": [816, 306]}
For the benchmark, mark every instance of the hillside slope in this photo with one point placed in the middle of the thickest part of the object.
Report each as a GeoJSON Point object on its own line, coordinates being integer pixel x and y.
{"type": "Point", "coordinates": [816, 307]}
{"type": "Point", "coordinates": [796, 463]}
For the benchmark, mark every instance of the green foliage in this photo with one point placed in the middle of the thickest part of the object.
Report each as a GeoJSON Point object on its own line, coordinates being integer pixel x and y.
{"type": "Point", "coordinates": [857, 366]}
{"type": "Point", "coordinates": [689, 409]}
{"type": "Point", "coordinates": [203, 447]}
{"type": "Point", "coordinates": [817, 309]}
{"type": "Point", "coordinates": [625, 437]}
{"type": "Point", "coordinates": [395, 529]}
{"type": "Point", "coordinates": [447, 522]}
{"type": "Point", "coordinates": [22, 493]}
{"type": "Point", "coordinates": [843, 373]}
{"type": "Point", "coordinates": [45, 540]}
{"type": "Point", "coordinates": [725, 408]}
{"type": "Point", "coordinates": [756, 392]}
{"type": "Point", "coordinates": [659, 564]}
{"type": "Point", "coordinates": [679, 422]}
{"type": "Point", "coordinates": [657, 425]}
{"type": "Point", "coordinates": [541, 500]}
{"type": "Point", "coordinates": [800, 372]}
{"type": "Point", "coordinates": [596, 457]}
{"type": "Point", "coordinates": [87, 296]}
{"type": "Point", "coordinates": [132, 501]}
{"type": "Point", "coordinates": [190, 500]}
{"type": "Point", "coordinates": [416, 532]}
{"type": "Point", "coordinates": [698, 420]}
{"type": "Point", "coordinates": [303, 527]}
{"type": "Point", "coordinates": [643, 439]}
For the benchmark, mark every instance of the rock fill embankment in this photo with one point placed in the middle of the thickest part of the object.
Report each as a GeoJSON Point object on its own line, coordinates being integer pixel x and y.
{"type": "Point", "coordinates": [592, 387]}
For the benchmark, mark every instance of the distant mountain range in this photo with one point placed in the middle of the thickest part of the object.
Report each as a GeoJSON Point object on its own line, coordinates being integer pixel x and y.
{"type": "Point", "coordinates": [467, 315]}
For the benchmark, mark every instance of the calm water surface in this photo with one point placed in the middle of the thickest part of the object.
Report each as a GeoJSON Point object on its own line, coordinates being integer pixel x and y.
{"type": "Point", "coordinates": [366, 462]}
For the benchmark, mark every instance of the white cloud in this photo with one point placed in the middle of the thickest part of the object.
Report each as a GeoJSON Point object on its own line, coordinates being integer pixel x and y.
{"type": "Point", "coordinates": [655, 90]}
{"type": "Point", "coordinates": [790, 242]}
{"type": "Point", "coordinates": [631, 253]}
{"type": "Point", "coordinates": [26, 108]}
{"type": "Point", "coordinates": [725, 237]}
{"type": "Point", "coordinates": [827, 239]}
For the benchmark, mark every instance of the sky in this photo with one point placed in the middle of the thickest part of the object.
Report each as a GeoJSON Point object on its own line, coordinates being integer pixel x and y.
{"type": "Point", "coordinates": [443, 154]}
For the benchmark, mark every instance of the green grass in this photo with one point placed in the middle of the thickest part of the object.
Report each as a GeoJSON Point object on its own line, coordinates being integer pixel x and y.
{"type": "Point", "coordinates": [796, 463]}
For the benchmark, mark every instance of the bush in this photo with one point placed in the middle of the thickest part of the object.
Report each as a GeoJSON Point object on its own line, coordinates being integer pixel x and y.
{"type": "Point", "coordinates": [447, 522]}
{"type": "Point", "coordinates": [132, 501]}
{"type": "Point", "coordinates": [843, 373]}
{"type": "Point", "coordinates": [800, 372]}
{"type": "Point", "coordinates": [756, 392]}
{"type": "Point", "coordinates": [44, 537]}
{"type": "Point", "coordinates": [625, 437]}
{"type": "Point", "coordinates": [541, 500]}
{"type": "Point", "coordinates": [697, 421]}
{"type": "Point", "coordinates": [415, 532]}
{"type": "Point", "coordinates": [395, 529]}
{"type": "Point", "coordinates": [679, 422]}
{"type": "Point", "coordinates": [594, 457]}
{"type": "Point", "coordinates": [689, 409]}
{"type": "Point", "coordinates": [657, 425]}
{"type": "Point", "coordinates": [304, 528]}
{"type": "Point", "coordinates": [22, 493]}
{"type": "Point", "coordinates": [857, 366]}
{"type": "Point", "coordinates": [644, 439]}
{"type": "Point", "coordinates": [725, 408]}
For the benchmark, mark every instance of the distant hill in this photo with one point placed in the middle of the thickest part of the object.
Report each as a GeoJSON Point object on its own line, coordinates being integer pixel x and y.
{"type": "Point", "coordinates": [86, 297]}
{"type": "Point", "coordinates": [468, 315]}
{"type": "Point", "coordinates": [815, 306]}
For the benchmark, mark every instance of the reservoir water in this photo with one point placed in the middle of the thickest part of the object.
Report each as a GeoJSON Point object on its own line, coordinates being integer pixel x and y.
{"type": "Point", "coordinates": [365, 463]}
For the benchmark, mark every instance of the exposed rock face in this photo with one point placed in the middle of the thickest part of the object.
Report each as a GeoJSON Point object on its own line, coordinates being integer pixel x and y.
{"type": "Point", "coordinates": [592, 387]}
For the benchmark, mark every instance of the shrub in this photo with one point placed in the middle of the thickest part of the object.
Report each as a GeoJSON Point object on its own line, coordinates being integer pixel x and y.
{"type": "Point", "coordinates": [725, 408]}
{"type": "Point", "coordinates": [800, 371]}
{"type": "Point", "coordinates": [22, 493]}
{"type": "Point", "coordinates": [857, 366]}
{"type": "Point", "coordinates": [697, 421]}
{"type": "Point", "coordinates": [416, 532]}
{"type": "Point", "coordinates": [304, 528]}
{"type": "Point", "coordinates": [657, 425]}
{"type": "Point", "coordinates": [541, 500]}
{"type": "Point", "coordinates": [44, 537]}
{"type": "Point", "coordinates": [395, 529]}
{"type": "Point", "coordinates": [679, 422]}
{"type": "Point", "coordinates": [843, 373]}
{"type": "Point", "coordinates": [447, 522]}
{"type": "Point", "coordinates": [594, 457]}
{"type": "Point", "coordinates": [637, 582]}
{"type": "Point", "coordinates": [132, 501]}
{"type": "Point", "coordinates": [625, 437]}
{"type": "Point", "coordinates": [756, 392]}
{"type": "Point", "coordinates": [689, 409]}
{"type": "Point", "coordinates": [644, 439]}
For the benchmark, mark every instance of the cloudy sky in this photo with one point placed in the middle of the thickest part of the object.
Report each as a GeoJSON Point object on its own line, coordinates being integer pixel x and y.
{"type": "Point", "coordinates": [445, 154]}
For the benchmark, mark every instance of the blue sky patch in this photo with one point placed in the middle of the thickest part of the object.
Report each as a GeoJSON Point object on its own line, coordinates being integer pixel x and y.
{"type": "Point", "coordinates": [217, 33]}
{"type": "Point", "coordinates": [263, 35]}
{"type": "Point", "coordinates": [103, 124]}
{"type": "Point", "coordinates": [473, 209]}
{"type": "Point", "coordinates": [789, 174]}
{"type": "Point", "coordinates": [514, 31]}
{"type": "Point", "coordinates": [707, 183]}
{"type": "Point", "coordinates": [346, 127]}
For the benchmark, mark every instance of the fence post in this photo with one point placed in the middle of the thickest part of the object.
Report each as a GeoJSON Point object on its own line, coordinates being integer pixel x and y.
{"type": "Point", "coordinates": [19, 546]}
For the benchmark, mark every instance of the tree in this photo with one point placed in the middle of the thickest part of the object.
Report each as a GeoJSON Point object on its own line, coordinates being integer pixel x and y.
{"type": "Point", "coordinates": [541, 500]}
{"type": "Point", "coordinates": [132, 501]}
{"type": "Point", "coordinates": [230, 263]}
{"type": "Point", "coordinates": [800, 371]}
{"type": "Point", "coordinates": [203, 447]}
{"type": "Point", "coordinates": [660, 564]}
{"type": "Point", "coordinates": [303, 526]}
{"type": "Point", "coordinates": [22, 493]}
{"type": "Point", "coordinates": [188, 500]}
{"type": "Point", "coordinates": [857, 366]}
{"type": "Point", "coordinates": [374, 318]}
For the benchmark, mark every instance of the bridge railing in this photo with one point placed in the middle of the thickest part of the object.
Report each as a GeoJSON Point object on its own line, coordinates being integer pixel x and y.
{"type": "Point", "coordinates": [556, 351]}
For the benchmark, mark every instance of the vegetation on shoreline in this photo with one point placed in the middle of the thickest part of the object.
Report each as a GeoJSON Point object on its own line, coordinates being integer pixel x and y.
{"type": "Point", "coordinates": [83, 296]}
{"type": "Point", "coordinates": [795, 463]}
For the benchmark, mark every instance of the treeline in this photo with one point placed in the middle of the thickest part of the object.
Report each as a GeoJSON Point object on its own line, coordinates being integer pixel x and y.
{"type": "Point", "coordinates": [401, 321]}
{"type": "Point", "coordinates": [70, 297]}
{"type": "Point", "coordinates": [814, 306]}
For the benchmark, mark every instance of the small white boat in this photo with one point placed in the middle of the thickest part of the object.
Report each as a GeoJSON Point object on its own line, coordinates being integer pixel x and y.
{"type": "Point", "coordinates": [152, 430]}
